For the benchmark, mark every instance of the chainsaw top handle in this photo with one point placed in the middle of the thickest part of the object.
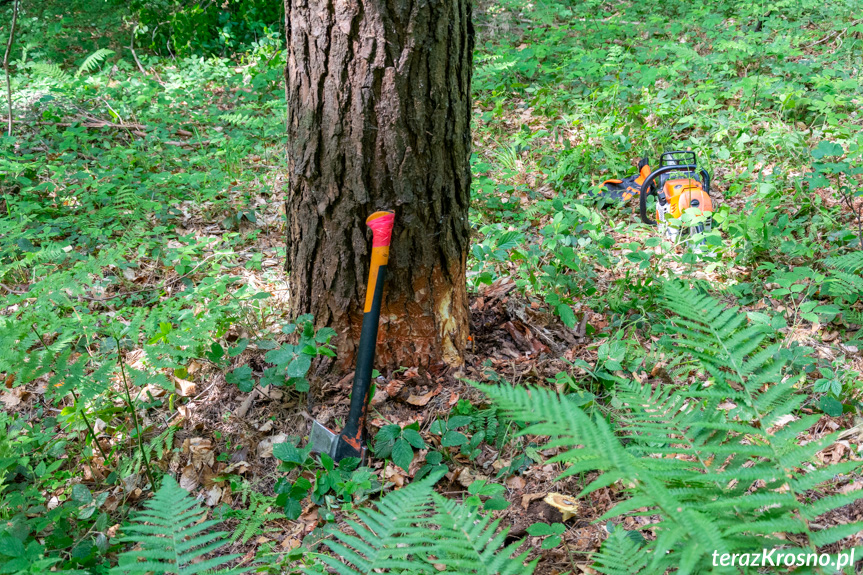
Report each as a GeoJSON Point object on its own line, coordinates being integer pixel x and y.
{"type": "Point", "coordinates": [648, 182]}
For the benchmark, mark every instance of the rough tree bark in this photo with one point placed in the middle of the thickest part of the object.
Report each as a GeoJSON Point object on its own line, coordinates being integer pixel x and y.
{"type": "Point", "coordinates": [378, 95]}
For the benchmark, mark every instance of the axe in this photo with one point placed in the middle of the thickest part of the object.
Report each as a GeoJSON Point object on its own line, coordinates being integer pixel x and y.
{"type": "Point", "coordinates": [350, 442]}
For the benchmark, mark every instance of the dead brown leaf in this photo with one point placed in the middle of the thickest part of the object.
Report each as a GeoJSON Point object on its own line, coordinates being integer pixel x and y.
{"type": "Point", "coordinates": [421, 400]}
{"type": "Point", "coordinates": [189, 478]}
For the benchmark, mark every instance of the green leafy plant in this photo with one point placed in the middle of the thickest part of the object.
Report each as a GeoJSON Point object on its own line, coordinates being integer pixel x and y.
{"type": "Point", "coordinates": [290, 362]}
{"type": "Point", "coordinates": [448, 430]}
{"type": "Point", "coordinates": [172, 539]}
{"type": "Point", "coordinates": [550, 532]}
{"type": "Point", "coordinates": [333, 487]}
{"type": "Point", "coordinates": [492, 491]}
{"type": "Point", "coordinates": [398, 444]}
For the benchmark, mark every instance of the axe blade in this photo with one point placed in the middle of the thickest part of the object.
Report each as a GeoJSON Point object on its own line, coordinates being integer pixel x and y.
{"type": "Point", "coordinates": [322, 439]}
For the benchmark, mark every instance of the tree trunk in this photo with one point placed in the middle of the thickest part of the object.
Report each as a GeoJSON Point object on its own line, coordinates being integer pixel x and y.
{"type": "Point", "coordinates": [378, 95]}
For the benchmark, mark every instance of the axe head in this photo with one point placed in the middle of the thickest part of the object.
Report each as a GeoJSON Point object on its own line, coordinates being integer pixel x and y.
{"type": "Point", "coordinates": [323, 440]}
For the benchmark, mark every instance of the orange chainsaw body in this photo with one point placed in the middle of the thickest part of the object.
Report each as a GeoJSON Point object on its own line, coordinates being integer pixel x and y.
{"type": "Point", "coordinates": [684, 193]}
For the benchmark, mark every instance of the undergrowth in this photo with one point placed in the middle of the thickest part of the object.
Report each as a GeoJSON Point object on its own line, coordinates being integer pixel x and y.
{"type": "Point", "coordinates": [141, 246]}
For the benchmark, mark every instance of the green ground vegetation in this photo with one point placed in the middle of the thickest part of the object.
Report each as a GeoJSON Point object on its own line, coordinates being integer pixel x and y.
{"type": "Point", "coordinates": [142, 243]}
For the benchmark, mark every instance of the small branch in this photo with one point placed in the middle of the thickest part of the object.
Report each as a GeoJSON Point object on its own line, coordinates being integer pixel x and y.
{"type": "Point", "coordinates": [135, 55]}
{"type": "Point", "coordinates": [15, 9]}
{"type": "Point", "coordinates": [836, 34]}
{"type": "Point", "coordinates": [134, 129]}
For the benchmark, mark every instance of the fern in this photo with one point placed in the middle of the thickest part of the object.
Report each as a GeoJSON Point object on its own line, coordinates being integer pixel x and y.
{"type": "Point", "coordinates": [850, 263]}
{"type": "Point", "coordinates": [719, 481]}
{"type": "Point", "coordinates": [416, 532]}
{"type": "Point", "coordinates": [170, 538]}
{"type": "Point", "coordinates": [620, 555]}
{"type": "Point", "coordinates": [248, 121]}
{"type": "Point", "coordinates": [154, 450]}
{"type": "Point", "coordinates": [471, 543]}
{"type": "Point", "coordinates": [846, 284]}
{"type": "Point", "coordinates": [93, 60]}
{"type": "Point", "coordinates": [253, 518]}
{"type": "Point", "coordinates": [49, 70]}
{"type": "Point", "coordinates": [392, 537]}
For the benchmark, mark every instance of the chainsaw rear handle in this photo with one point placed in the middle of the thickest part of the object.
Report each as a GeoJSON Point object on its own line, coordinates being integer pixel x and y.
{"type": "Point", "coordinates": [648, 182]}
{"type": "Point", "coordinates": [350, 441]}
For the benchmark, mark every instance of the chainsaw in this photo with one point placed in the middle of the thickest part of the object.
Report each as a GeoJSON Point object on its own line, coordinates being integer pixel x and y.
{"type": "Point", "coordinates": [678, 185]}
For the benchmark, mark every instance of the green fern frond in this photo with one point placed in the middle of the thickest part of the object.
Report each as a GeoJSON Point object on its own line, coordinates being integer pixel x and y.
{"type": "Point", "coordinates": [621, 554]}
{"type": "Point", "coordinates": [843, 283]}
{"type": "Point", "coordinates": [718, 337]}
{"type": "Point", "coordinates": [724, 481]}
{"type": "Point", "coordinates": [247, 120]}
{"type": "Point", "coordinates": [469, 543]}
{"type": "Point", "coordinates": [51, 254]}
{"type": "Point", "coordinates": [93, 60]}
{"type": "Point", "coordinates": [414, 531]}
{"type": "Point", "coordinates": [850, 263]}
{"type": "Point", "coordinates": [155, 449]}
{"type": "Point", "coordinates": [253, 519]}
{"type": "Point", "coordinates": [855, 317]}
{"type": "Point", "coordinates": [170, 538]}
{"type": "Point", "coordinates": [392, 537]}
{"type": "Point", "coordinates": [49, 70]}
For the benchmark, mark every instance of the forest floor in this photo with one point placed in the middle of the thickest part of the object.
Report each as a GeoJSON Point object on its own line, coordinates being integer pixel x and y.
{"type": "Point", "coordinates": [144, 236]}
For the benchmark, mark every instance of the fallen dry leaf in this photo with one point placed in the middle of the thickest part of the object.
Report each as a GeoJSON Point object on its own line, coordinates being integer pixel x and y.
{"type": "Point", "coordinates": [421, 400]}
{"type": "Point", "coordinates": [290, 543]}
{"type": "Point", "coordinates": [394, 387]}
{"type": "Point", "coordinates": [394, 474]}
{"type": "Point", "coordinates": [266, 426]}
{"type": "Point", "coordinates": [213, 496]}
{"type": "Point", "coordinates": [265, 447]}
{"type": "Point", "coordinates": [238, 468]}
{"type": "Point", "coordinates": [202, 451]}
{"type": "Point", "coordinates": [853, 486]}
{"type": "Point", "coordinates": [465, 476]}
{"type": "Point", "coordinates": [527, 498]}
{"type": "Point", "coordinates": [13, 398]}
{"type": "Point", "coordinates": [153, 390]}
{"type": "Point", "coordinates": [516, 482]}
{"type": "Point", "coordinates": [189, 478]}
{"type": "Point", "coordinates": [380, 397]}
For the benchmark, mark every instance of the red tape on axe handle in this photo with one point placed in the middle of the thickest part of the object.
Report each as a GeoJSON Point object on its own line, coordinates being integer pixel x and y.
{"type": "Point", "coordinates": [381, 224]}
